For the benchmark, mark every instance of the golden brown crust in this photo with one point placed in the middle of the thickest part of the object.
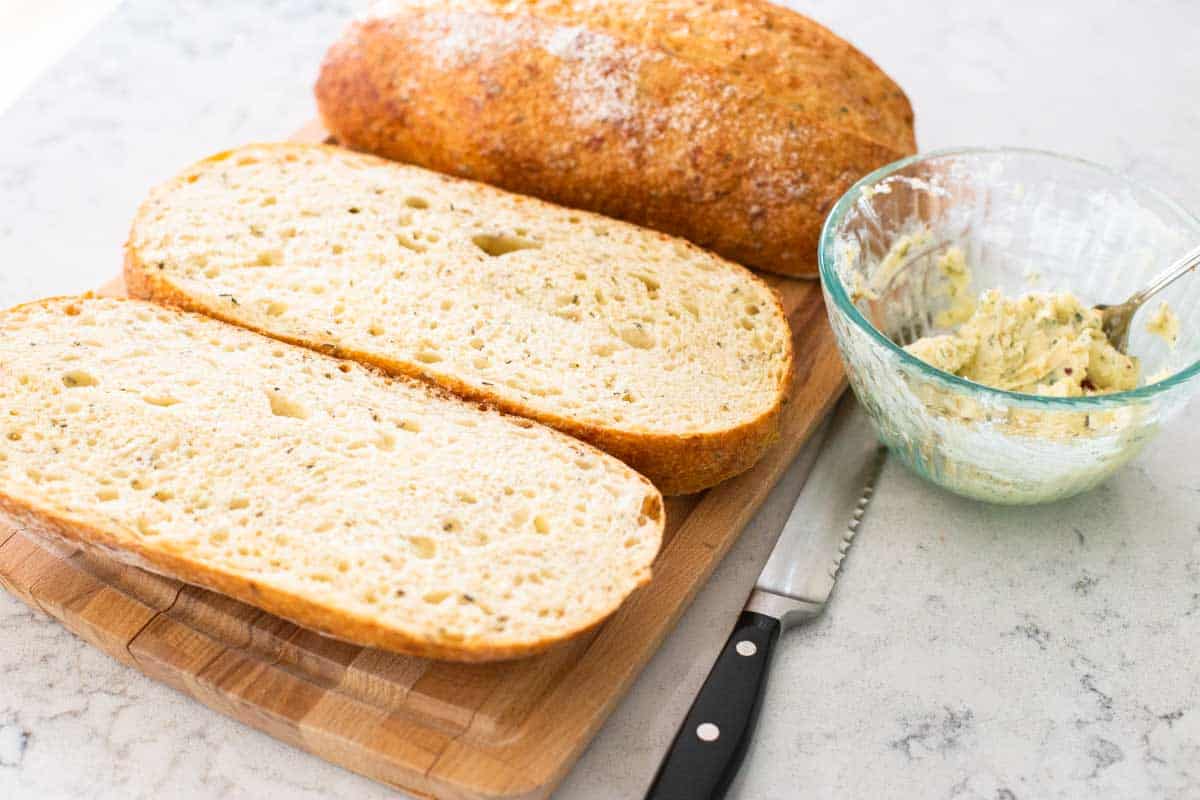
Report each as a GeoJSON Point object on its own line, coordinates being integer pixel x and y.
{"type": "Point", "coordinates": [294, 607]}
{"type": "Point", "coordinates": [675, 464]}
{"type": "Point", "coordinates": [90, 530]}
{"type": "Point", "coordinates": [734, 124]}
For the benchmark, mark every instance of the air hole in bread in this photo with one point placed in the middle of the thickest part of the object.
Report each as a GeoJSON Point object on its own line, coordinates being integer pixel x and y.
{"type": "Point", "coordinates": [282, 406]}
{"type": "Point", "coordinates": [409, 243]}
{"type": "Point", "coordinates": [416, 202]}
{"type": "Point", "coordinates": [276, 308]}
{"type": "Point", "coordinates": [541, 524]}
{"type": "Point", "coordinates": [161, 400]}
{"type": "Point", "coordinates": [428, 357]}
{"type": "Point", "coordinates": [499, 244]}
{"type": "Point", "coordinates": [652, 285]}
{"type": "Point", "coordinates": [423, 546]}
{"type": "Point", "coordinates": [76, 379]}
{"type": "Point", "coordinates": [637, 336]}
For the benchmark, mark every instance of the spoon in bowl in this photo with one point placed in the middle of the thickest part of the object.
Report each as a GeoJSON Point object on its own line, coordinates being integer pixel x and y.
{"type": "Point", "coordinates": [1115, 319]}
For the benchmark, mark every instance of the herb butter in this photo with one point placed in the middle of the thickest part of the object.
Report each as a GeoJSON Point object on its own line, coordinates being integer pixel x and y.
{"type": "Point", "coordinates": [1046, 344]}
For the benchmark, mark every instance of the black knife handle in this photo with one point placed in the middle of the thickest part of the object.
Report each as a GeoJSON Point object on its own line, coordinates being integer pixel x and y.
{"type": "Point", "coordinates": [712, 742]}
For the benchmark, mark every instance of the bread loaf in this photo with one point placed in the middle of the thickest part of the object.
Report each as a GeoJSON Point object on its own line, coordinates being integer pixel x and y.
{"type": "Point", "coordinates": [734, 123]}
{"type": "Point", "coordinates": [317, 489]}
{"type": "Point", "coordinates": [660, 353]}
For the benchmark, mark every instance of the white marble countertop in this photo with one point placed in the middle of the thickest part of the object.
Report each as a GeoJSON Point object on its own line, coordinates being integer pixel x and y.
{"type": "Point", "coordinates": [969, 652]}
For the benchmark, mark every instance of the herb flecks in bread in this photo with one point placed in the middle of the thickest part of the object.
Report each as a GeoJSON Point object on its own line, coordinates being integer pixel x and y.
{"type": "Point", "coordinates": [317, 489]}
{"type": "Point", "coordinates": [666, 356]}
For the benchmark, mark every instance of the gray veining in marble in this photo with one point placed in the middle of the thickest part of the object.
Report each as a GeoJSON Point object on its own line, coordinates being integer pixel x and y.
{"type": "Point", "coordinates": [969, 651]}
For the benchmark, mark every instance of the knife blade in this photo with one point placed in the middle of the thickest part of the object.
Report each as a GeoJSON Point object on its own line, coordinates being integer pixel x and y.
{"type": "Point", "coordinates": [792, 588]}
{"type": "Point", "coordinates": [800, 574]}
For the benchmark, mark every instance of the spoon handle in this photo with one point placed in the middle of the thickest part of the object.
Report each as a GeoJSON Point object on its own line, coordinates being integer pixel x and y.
{"type": "Point", "coordinates": [1186, 263]}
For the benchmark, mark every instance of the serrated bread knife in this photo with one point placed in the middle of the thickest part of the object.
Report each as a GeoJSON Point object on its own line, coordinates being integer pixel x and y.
{"type": "Point", "coordinates": [792, 588]}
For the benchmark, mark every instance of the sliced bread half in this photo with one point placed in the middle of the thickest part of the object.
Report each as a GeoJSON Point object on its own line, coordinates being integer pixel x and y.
{"type": "Point", "coordinates": [317, 489]}
{"type": "Point", "coordinates": [664, 355]}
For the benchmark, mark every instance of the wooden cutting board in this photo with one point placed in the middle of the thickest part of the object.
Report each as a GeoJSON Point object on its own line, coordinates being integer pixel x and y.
{"type": "Point", "coordinates": [462, 731]}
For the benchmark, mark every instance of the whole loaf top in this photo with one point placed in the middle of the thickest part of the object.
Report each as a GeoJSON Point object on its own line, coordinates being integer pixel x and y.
{"type": "Point", "coordinates": [734, 123]}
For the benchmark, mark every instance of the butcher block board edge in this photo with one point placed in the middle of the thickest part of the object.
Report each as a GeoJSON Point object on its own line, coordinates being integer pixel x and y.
{"type": "Point", "coordinates": [455, 731]}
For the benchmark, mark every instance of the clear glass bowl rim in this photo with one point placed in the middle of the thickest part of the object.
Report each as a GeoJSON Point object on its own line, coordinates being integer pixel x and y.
{"type": "Point", "coordinates": [826, 258]}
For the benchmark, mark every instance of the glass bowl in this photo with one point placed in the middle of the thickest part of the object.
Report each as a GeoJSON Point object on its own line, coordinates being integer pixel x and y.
{"type": "Point", "coordinates": [1026, 221]}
